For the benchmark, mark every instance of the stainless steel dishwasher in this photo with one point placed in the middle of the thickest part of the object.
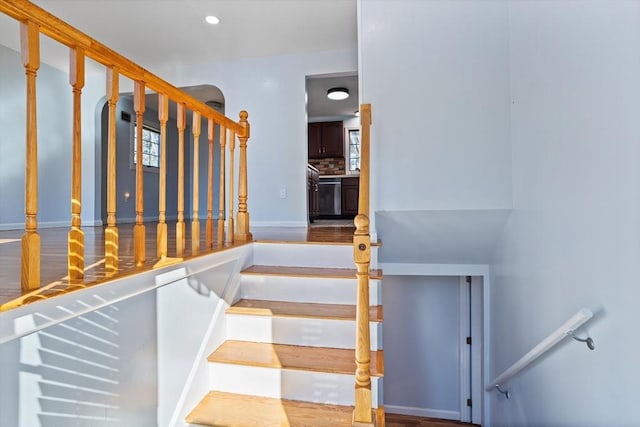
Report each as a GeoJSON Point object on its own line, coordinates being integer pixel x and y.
{"type": "Point", "coordinates": [330, 197]}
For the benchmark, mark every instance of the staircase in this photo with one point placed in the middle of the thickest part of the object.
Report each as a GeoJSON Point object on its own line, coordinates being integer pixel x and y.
{"type": "Point", "coordinates": [288, 358]}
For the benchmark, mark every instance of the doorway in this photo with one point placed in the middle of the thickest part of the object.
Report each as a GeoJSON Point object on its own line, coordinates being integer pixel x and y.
{"type": "Point", "coordinates": [433, 345]}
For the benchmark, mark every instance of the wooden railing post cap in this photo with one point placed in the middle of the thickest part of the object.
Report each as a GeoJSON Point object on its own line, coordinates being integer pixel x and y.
{"type": "Point", "coordinates": [244, 123]}
{"type": "Point", "coordinates": [361, 222]}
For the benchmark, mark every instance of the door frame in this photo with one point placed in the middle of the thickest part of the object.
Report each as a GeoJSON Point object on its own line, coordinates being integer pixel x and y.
{"type": "Point", "coordinates": [481, 285]}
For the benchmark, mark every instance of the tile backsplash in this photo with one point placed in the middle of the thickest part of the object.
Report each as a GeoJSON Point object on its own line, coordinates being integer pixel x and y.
{"type": "Point", "coordinates": [329, 166]}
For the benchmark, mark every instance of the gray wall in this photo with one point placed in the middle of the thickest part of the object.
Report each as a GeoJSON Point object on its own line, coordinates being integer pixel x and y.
{"type": "Point", "coordinates": [572, 240]}
{"type": "Point", "coordinates": [421, 345]}
{"type": "Point", "coordinates": [126, 176]}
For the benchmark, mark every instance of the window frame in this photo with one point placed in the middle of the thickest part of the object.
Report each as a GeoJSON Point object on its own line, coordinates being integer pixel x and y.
{"type": "Point", "coordinates": [132, 148]}
{"type": "Point", "coordinates": [347, 151]}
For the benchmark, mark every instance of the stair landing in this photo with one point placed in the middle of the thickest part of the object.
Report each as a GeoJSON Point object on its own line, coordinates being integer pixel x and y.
{"type": "Point", "coordinates": [234, 410]}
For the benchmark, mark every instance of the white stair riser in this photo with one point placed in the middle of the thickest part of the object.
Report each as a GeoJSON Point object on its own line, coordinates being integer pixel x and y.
{"type": "Point", "coordinates": [306, 289]}
{"type": "Point", "coordinates": [307, 255]}
{"type": "Point", "coordinates": [317, 387]}
{"type": "Point", "coordinates": [299, 331]}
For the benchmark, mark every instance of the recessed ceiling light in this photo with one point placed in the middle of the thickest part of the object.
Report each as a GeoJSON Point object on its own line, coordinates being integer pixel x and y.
{"type": "Point", "coordinates": [213, 20]}
{"type": "Point", "coordinates": [338, 93]}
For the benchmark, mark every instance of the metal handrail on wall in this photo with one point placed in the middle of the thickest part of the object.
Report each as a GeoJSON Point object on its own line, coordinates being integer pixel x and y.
{"type": "Point", "coordinates": [566, 330]}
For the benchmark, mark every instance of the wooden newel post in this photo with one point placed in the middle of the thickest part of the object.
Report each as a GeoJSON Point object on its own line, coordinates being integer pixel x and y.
{"type": "Point", "coordinates": [139, 228]}
{"type": "Point", "coordinates": [30, 49]}
{"type": "Point", "coordinates": [362, 415]}
{"type": "Point", "coordinates": [242, 225]}
{"type": "Point", "coordinates": [76, 235]}
{"type": "Point", "coordinates": [365, 144]}
{"type": "Point", "coordinates": [163, 117]}
{"type": "Point", "coordinates": [111, 232]}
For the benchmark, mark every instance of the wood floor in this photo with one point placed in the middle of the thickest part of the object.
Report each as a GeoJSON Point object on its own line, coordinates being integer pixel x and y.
{"type": "Point", "coordinates": [54, 280]}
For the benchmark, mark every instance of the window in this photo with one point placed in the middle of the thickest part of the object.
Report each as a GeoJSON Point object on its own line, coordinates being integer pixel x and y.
{"type": "Point", "coordinates": [353, 138]}
{"type": "Point", "coordinates": [150, 147]}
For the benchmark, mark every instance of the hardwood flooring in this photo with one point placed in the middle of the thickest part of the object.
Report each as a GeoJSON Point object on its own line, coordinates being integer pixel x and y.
{"type": "Point", "coordinates": [54, 280]}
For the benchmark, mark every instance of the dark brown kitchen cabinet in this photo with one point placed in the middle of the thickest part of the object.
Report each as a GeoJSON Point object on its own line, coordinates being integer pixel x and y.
{"type": "Point", "coordinates": [350, 192]}
{"type": "Point", "coordinates": [325, 140]}
{"type": "Point", "coordinates": [313, 178]}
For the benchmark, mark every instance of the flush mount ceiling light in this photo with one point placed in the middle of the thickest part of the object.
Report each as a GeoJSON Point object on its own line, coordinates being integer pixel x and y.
{"type": "Point", "coordinates": [213, 20]}
{"type": "Point", "coordinates": [338, 93]}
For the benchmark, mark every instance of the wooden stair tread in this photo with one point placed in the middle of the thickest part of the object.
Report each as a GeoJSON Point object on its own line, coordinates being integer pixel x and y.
{"type": "Point", "coordinates": [316, 359]}
{"type": "Point", "coordinates": [219, 409]}
{"type": "Point", "coordinates": [300, 309]}
{"type": "Point", "coordinates": [329, 273]}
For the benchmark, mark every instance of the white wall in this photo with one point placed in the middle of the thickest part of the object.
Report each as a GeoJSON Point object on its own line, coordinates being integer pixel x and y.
{"type": "Point", "coordinates": [98, 369]}
{"type": "Point", "coordinates": [272, 90]}
{"type": "Point", "coordinates": [572, 240]}
{"type": "Point", "coordinates": [436, 74]}
{"type": "Point", "coordinates": [54, 111]}
{"type": "Point", "coordinates": [421, 345]}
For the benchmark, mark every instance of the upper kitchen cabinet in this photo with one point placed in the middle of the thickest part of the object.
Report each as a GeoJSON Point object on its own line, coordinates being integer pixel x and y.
{"type": "Point", "coordinates": [325, 140]}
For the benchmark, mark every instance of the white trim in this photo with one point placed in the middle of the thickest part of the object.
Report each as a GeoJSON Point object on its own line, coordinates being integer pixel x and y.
{"type": "Point", "coordinates": [266, 224]}
{"type": "Point", "coordinates": [477, 347]}
{"type": "Point", "coordinates": [422, 412]}
{"type": "Point", "coordinates": [408, 269]}
{"type": "Point", "coordinates": [464, 358]}
{"type": "Point", "coordinates": [47, 224]}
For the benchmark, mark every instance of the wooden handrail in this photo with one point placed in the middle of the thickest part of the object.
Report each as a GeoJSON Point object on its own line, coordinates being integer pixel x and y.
{"type": "Point", "coordinates": [25, 11]}
{"type": "Point", "coordinates": [33, 22]}
{"type": "Point", "coordinates": [362, 413]}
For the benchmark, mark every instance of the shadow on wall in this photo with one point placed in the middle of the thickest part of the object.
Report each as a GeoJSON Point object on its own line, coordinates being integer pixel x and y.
{"type": "Point", "coordinates": [92, 370]}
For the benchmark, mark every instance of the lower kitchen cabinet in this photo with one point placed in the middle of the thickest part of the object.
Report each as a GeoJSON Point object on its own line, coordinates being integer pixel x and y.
{"type": "Point", "coordinates": [350, 193]}
{"type": "Point", "coordinates": [313, 179]}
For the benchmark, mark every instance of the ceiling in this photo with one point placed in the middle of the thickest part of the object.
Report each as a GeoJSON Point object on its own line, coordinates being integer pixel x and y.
{"type": "Point", "coordinates": [162, 33]}
{"type": "Point", "coordinates": [320, 108]}
{"type": "Point", "coordinates": [156, 33]}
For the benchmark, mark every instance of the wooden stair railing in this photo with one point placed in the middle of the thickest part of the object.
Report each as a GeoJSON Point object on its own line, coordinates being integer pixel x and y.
{"type": "Point", "coordinates": [35, 21]}
{"type": "Point", "coordinates": [362, 413]}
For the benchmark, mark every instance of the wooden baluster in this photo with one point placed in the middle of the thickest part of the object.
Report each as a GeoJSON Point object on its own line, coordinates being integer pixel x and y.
{"type": "Point", "coordinates": [30, 50]}
{"type": "Point", "coordinates": [111, 232]}
{"type": "Point", "coordinates": [232, 147]}
{"type": "Point", "coordinates": [180, 227]}
{"type": "Point", "coordinates": [362, 415]}
{"type": "Point", "coordinates": [76, 235]}
{"type": "Point", "coordinates": [242, 232]}
{"type": "Point", "coordinates": [209, 226]}
{"type": "Point", "coordinates": [222, 185]}
{"type": "Point", "coordinates": [195, 220]}
{"type": "Point", "coordinates": [163, 117]}
{"type": "Point", "coordinates": [139, 228]}
{"type": "Point", "coordinates": [365, 142]}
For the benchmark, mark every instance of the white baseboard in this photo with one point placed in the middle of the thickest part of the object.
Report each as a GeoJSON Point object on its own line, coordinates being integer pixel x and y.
{"type": "Point", "coordinates": [46, 224]}
{"type": "Point", "coordinates": [268, 224]}
{"type": "Point", "coordinates": [422, 412]}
